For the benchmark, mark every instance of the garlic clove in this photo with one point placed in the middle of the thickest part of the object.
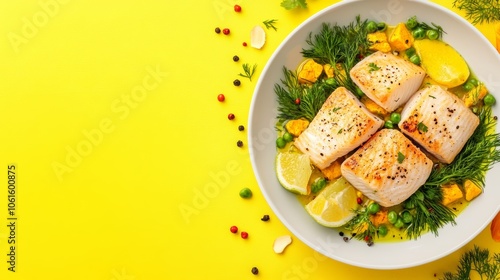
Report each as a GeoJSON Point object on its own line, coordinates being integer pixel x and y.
{"type": "Point", "coordinates": [257, 37]}
{"type": "Point", "coordinates": [281, 243]}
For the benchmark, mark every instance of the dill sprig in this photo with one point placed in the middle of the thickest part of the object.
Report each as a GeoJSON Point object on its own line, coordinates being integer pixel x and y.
{"type": "Point", "coordinates": [311, 97]}
{"type": "Point", "coordinates": [361, 226]}
{"type": "Point", "coordinates": [479, 154]}
{"type": "Point", "coordinates": [341, 47]}
{"type": "Point", "coordinates": [248, 71]}
{"type": "Point", "coordinates": [270, 24]}
{"type": "Point", "coordinates": [479, 11]}
{"type": "Point", "coordinates": [479, 260]}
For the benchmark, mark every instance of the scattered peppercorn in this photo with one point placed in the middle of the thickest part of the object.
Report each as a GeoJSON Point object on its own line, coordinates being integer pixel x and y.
{"type": "Point", "coordinates": [345, 238]}
{"type": "Point", "coordinates": [235, 58]}
{"type": "Point", "coordinates": [265, 218]}
{"type": "Point", "coordinates": [230, 116]}
{"type": "Point", "coordinates": [297, 101]}
{"type": "Point", "coordinates": [255, 271]}
{"type": "Point", "coordinates": [236, 82]}
{"type": "Point", "coordinates": [341, 233]}
{"type": "Point", "coordinates": [244, 234]}
{"type": "Point", "coordinates": [359, 200]}
{"type": "Point", "coordinates": [217, 30]}
{"type": "Point", "coordinates": [234, 229]}
{"type": "Point", "coordinates": [221, 97]}
{"type": "Point", "coordinates": [369, 243]}
{"type": "Point", "coordinates": [241, 128]}
{"type": "Point", "coordinates": [226, 31]}
{"type": "Point", "coordinates": [239, 143]}
{"type": "Point", "coordinates": [244, 44]}
{"type": "Point", "coordinates": [237, 8]}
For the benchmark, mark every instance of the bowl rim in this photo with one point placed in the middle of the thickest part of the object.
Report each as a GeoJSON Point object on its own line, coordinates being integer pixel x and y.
{"type": "Point", "coordinates": [253, 152]}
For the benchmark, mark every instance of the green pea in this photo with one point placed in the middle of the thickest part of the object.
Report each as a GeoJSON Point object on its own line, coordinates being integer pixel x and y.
{"type": "Point", "coordinates": [382, 230]}
{"type": "Point", "coordinates": [246, 193]}
{"type": "Point", "coordinates": [280, 142]}
{"type": "Point", "coordinates": [392, 217]}
{"type": "Point", "coordinates": [415, 59]}
{"type": "Point", "coordinates": [318, 185]}
{"type": "Point", "coordinates": [489, 100]}
{"type": "Point", "coordinates": [288, 137]}
{"type": "Point", "coordinates": [468, 86]}
{"type": "Point", "coordinates": [399, 223]}
{"type": "Point", "coordinates": [409, 204]}
{"type": "Point", "coordinates": [407, 217]}
{"type": "Point", "coordinates": [373, 208]}
{"type": "Point", "coordinates": [474, 82]}
{"type": "Point", "coordinates": [432, 34]}
{"type": "Point", "coordinates": [411, 23]}
{"type": "Point", "coordinates": [418, 33]}
{"type": "Point", "coordinates": [395, 118]}
{"type": "Point", "coordinates": [371, 27]}
{"type": "Point", "coordinates": [388, 124]}
{"type": "Point", "coordinates": [381, 26]}
{"type": "Point", "coordinates": [410, 52]}
{"type": "Point", "coordinates": [331, 82]}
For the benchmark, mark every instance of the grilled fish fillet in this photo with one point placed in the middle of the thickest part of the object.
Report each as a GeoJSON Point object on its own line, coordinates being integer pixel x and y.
{"type": "Point", "coordinates": [439, 121]}
{"type": "Point", "coordinates": [387, 79]}
{"type": "Point", "coordinates": [388, 168]}
{"type": "Point", "coordinates": [342, 124]}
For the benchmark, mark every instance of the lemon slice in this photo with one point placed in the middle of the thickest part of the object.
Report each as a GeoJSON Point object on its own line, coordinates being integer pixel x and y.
{"type": "Point", "coordinates": [442, 62]}
{"type": "Point", "coordinates": [335, 204]}
{"type": "Point", "coordinates": [293, 171]}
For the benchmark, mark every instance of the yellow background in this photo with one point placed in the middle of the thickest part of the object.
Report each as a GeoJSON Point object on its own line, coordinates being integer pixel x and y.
{"type": "Point", "coordinates": [127, 166]}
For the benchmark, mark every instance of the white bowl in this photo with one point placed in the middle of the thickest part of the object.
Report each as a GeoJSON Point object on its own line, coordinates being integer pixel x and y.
{"type": "Point", "coordinates": [485, 62]}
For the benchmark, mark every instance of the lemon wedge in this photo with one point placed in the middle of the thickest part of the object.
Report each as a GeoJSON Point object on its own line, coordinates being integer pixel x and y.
{"type": "Point", "coordinates": [334, 206]}
{"type": "Point", "coordinates": [442, 62]}
{"type": "Point", "coordinates": [293, 171]}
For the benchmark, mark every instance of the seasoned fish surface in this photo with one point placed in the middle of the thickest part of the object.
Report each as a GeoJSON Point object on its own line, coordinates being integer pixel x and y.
{"type": "Point", "coordinates": [388, 168]}
{"type": "Point", "coordinates": [342, 124]}
{"type": "Point", "coordinates": [386, 79]}
{"type": "Point", "coordinates": [439, 121]}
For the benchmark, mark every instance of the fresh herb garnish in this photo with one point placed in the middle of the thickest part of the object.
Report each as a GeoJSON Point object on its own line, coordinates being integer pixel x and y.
{"type": "Point", "coordinates": [479, 11]}
{"type": "Point", "coordinates": [270, 24]}
{"type": "Point", "coordinates": [292, 4]}
{"type": "Point", "coordinates": [248, 71]}
{"type": "Point", "coordinates": [341, 47]}
{"type": "Point", "coordinates": [422, 127]}
{"type": "Point", "coordinates": [373, 67]}
{"type": "Point", "coordinates": [478, 260]}
{"type": "Point", "coordinates": [311, 97]}
{"type": "Point", "coordinates": [335, 109]}
{"type": "Point", "coordinates": [401, 157]}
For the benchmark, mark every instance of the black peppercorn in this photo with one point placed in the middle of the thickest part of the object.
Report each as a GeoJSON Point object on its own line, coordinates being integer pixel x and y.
{"type": "Point", "coordinates": [217, 30]}
{"type": "Point", "coordinates": [265, 218]}
{"type": "Point", "coordinates": [255, 270]}
{"type": "Point", "coordinates": [239, 143]}
{"type": "Point", "coordinates": [235, 58]}
{"type": "Point", "coordinates": [236, 82]}
{"type": "Point", "coordinates": [241, 128]}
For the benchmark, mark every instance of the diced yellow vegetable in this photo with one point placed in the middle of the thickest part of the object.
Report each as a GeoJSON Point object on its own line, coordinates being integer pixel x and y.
{"type": "Point", "coordinates": [332, 172]}
{"type": "Point", "coordinates": [471, 190]}
{"type": "Point", "coordinates": [379, 218]}
{"type": "Point", "coordinates": [373, 107]}
{"type": "Point", "coordinates": [296, 127]}
{"type": "Point", "coordinates": [309, 71]}
{"type": "Point", "coordinates": [476, 94]}
{"type": "Point", "coordinates": [401, 38]}
{"type": "Point", "coordinates": [329, 71]}
{"type": "Point", "coordinates": [451, 193]}
{"type": "Point", "coordinates": [378, 41]}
